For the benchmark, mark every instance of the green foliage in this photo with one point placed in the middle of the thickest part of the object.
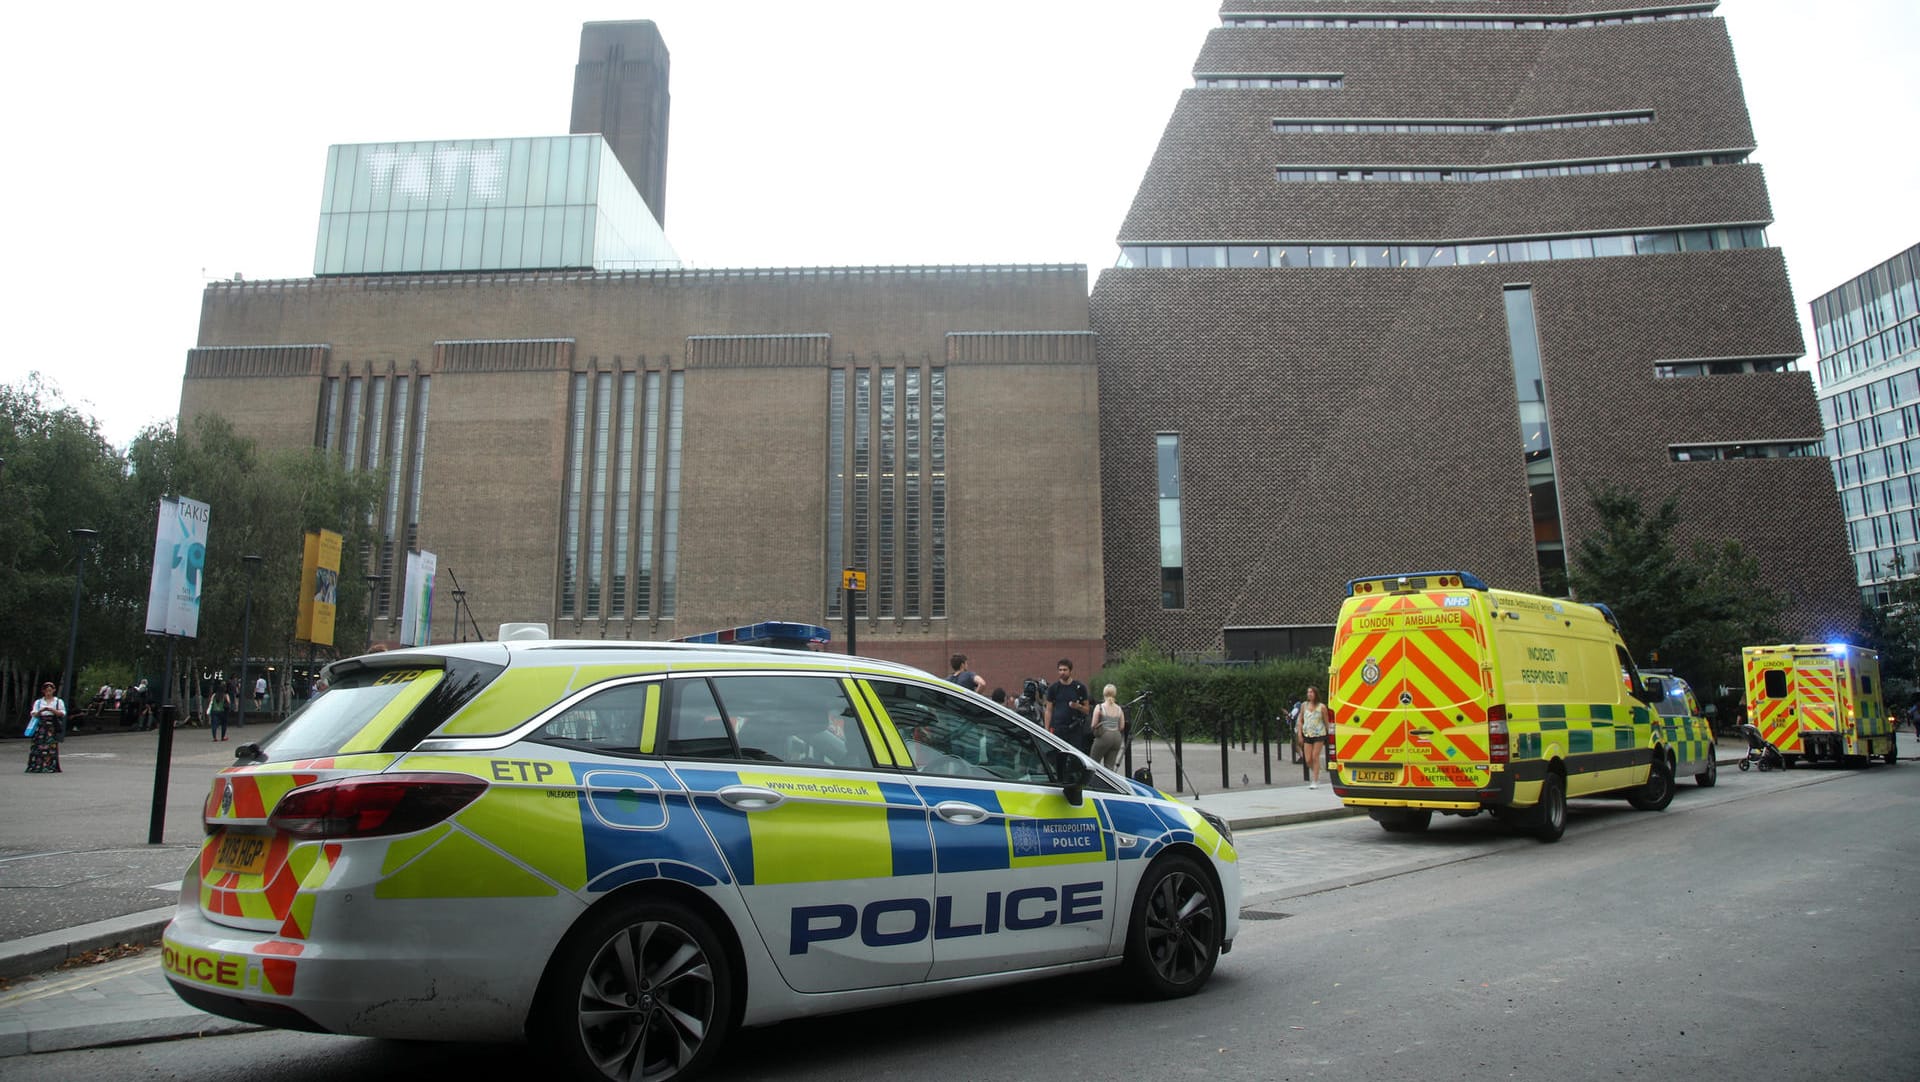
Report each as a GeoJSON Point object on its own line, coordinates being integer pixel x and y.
{"type": "Point", "coordinates": [1199, 698]}
{"type": "Point", "coordinates": [61, 474]}
{"type": "Point", "coordinates": [1690, 612]}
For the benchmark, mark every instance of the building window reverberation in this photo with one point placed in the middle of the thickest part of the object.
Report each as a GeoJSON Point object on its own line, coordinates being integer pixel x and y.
{"type": "Point", "coordinates": [1721, 366]}
{"type": "Point", "coordinates": [1237, 81]}
{"type": "Point", "coordinates": [1536, 439]}
{"type": "Point", "coordinates": [1443, 253]}
{"type": "Point", "coordinates": [887, 491]}
{"type": "Point", "coordinates": [1434, 126]}
{"type": "Point", "coordinates": [1418, 22]}
{"type": "Point", "coordinates": [1173, 569]}
{"type": "Point", "coordinates": [1403, 174]}
{"type": "Point", "coordinates": [1716, 452]}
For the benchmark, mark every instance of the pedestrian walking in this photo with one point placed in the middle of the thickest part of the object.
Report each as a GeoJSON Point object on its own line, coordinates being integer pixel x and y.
{"type": "Point", "coordinates": [260, 693]}
{"type": "Point", "coordinates": [44, 720]}
{"type": "Point", "coordinates": [1315, 723]}
{"type": "Point", "coordinates": [218, 708]}
{"type": "Point", "coordinates": [1109, 727]}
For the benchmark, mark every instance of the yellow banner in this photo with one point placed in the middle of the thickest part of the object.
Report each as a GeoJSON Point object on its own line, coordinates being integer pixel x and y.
{"type": "Point", "coordinates": [303, 625]}
{"type": "Point", "coordinates": [326, 588]}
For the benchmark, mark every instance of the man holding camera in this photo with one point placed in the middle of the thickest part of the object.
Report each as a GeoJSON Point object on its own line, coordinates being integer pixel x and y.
{"type": "Point", "coordinates": [1068, 709]}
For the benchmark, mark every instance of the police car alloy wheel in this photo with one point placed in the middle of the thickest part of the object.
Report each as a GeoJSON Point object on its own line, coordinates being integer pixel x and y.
{"type": "Point", "coordinates": [640, 991]}
{"type": "Point", "coordinates": [1173, 940]}
{"type": "Point", "coordinates": [1659, 789]}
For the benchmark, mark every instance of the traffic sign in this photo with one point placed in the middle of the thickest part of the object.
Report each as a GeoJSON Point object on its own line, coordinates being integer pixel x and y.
{"type": "Point", "coordinates": [853, 580]}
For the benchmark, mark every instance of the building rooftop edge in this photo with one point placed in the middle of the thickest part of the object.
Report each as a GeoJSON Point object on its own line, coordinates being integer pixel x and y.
{"type": "Point", "coordinates": [424, 277]}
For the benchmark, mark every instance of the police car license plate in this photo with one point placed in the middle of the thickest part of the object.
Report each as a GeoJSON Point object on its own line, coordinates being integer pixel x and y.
{"type": "Point", "coordinates": [243, 853]}
{"type": "Point", "coordinates": [1376, 775]}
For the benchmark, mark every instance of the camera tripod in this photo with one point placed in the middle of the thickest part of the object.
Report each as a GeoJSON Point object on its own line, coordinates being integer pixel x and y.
{"type": "Point", "coordinates": [1141, 724]}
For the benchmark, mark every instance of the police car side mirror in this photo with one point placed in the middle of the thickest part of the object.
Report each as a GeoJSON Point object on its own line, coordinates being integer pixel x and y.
{"type": "Point", "coordinates": [1070, 771]}
{"type": "Point", "coordinates": [1656, 689]}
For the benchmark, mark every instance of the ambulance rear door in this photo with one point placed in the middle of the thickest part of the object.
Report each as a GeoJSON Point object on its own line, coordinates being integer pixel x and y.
{"type": "Point", "coordinates": [1409, 690]}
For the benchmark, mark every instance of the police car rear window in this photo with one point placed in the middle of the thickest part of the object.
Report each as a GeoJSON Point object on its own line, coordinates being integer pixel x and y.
{"type": "Point", "coordinates": [358, 697]}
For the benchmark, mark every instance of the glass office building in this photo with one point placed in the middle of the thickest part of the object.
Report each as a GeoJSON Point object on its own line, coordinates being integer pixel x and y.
{"type": "Point", "coordinates": [1868, 332]}
{"type": "Point", "coordinates": [542, 203]}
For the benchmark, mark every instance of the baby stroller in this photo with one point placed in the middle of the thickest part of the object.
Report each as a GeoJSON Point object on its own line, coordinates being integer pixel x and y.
{"type": "Point", "coordinates": [1759, 751]}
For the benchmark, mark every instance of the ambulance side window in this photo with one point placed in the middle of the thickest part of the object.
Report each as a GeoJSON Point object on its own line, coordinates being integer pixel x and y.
{"type": "Point", "coordinates": [1776, 681]}
{"type": "Point", "coordinates": [609, 721]}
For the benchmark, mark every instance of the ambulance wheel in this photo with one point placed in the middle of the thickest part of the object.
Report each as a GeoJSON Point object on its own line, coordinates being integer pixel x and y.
{"type": "Point", "coordinates": [1550, 814]}
{"type": "Point", "coordinates": [637, 990]}
{"type": "Point", "coordinates": [1707, 777]}
{"type": "Point", "coordinates": [1658, 792]}
{"type": "Point", "coordinates": [1403, 820]}
{"type": "Point", "coordinates": [1892, 757]}
{"type": "Point", "coordinates": [1173, 939]}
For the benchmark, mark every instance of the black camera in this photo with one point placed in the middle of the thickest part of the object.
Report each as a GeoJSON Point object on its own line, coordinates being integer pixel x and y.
{"type": "Point", "coordinates": [1032, 695]}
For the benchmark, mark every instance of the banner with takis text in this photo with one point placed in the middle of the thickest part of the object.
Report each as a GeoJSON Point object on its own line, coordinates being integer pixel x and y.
{"type": "Point", "coordinates": [179, 566]}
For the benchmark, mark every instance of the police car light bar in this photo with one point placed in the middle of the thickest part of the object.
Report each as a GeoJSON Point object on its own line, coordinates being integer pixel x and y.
{"type": "Point", "coordinates": [1416, 580]}
{"type": "Point", "coordinates": [776, 633]}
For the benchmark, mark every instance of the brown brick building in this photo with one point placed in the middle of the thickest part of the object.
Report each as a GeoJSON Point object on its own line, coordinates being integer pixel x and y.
{"type": "Point", "coordinates": [1403, 283]}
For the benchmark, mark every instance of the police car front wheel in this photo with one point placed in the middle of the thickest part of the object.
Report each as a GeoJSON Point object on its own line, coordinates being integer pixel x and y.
{"type": "Point", "coordinates": [641, 990]}
{"type": "Point", "coordinates": [1173, 939]}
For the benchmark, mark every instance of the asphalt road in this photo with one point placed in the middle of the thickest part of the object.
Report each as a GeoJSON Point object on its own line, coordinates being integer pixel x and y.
{"type": "Point", "coordinates": [1758, 930]}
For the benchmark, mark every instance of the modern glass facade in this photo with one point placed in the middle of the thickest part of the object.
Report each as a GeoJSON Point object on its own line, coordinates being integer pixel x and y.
{"type": "Point", "coordinates": [549, 202]}
{"type": "Point", "coordinates": [1868, 332]}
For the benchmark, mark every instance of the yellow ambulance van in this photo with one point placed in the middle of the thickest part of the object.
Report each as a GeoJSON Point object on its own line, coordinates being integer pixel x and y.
{"type": "Point", "coordinates": [1819, 702]}
{"type": "Point", "coordinates": [1449, 696]}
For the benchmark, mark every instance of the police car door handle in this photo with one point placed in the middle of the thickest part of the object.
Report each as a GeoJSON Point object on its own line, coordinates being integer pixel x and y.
{"type": "Point", "coordinates": [961, 813]}
{"type": "Point", "coordinates": [749, 797]}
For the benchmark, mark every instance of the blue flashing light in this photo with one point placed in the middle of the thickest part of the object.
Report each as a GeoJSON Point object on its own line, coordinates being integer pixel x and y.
{"type": "Point", "coordinates": [775, 633]}
{"type": "Point", "coordinates": [1837, 649]}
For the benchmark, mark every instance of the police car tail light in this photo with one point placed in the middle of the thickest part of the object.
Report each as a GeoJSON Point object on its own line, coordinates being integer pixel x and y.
{"type": "Point", "coordinates": [367, 807]}
{"type": "Point", "coordinates": [1497, 748]}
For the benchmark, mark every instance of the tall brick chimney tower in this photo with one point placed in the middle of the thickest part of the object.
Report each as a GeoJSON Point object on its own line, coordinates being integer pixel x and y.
{"type": "Point", "coordinates": [620, 91]}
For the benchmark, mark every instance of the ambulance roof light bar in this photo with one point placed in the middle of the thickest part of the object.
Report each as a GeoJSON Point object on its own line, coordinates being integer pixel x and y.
{"type": "Point", "coordinates": [1414, 581]}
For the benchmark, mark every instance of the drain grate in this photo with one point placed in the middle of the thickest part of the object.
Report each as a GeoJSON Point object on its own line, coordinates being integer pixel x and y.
{"type": "Point", "coordinates": [1263, 914]}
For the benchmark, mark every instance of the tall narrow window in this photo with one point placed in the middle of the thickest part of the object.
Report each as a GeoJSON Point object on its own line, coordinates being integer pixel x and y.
{"type": "Point", "coordinates": [597, 503]}
{"type": "Point", "coordinates": [643, 594]}
{"type": "Point", "coordinates": [624, 415]}
{"type": "Point", "coordinates": [376, 422]}
{"type": "Point", "coordinates": [911, 603]}
{"type": "Point", "coordinates": [1173, 568]}
{"type": "Point", "coordinates": [397, 460]}
{"type": "Point", "coordinates": [570, 512]}
{"type": "Point", "coordinates": [419, 456]}
{"type": "Point", "coordinates": [937, 489]}
{"type": "Point", "coordinates": [889, 386]}
{"type": "Point", "coordinates": [670, 519]}
{"type": "Point", "coordinates": [862, 479]}
{"type": "Point", "coordinates": [330, 414]}
{"type": "Point", "coordinates": [1530, 388]}
{"type": "Point", "coordinates": [350, 452]}
{"type": "Point", "coordinates": [836, 488]}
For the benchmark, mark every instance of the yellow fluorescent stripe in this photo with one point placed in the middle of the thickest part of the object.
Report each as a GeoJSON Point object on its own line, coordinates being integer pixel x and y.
{"type": "Point", "coordinates": [882, 755]}
{"type": "Point", "coordinates": [650, 725]}
{"type": "Point", "coordinates": [888, 730]}
{"type": "Point", "coordinates": [374, 733]}
{"type": "Point", "coordinates": [513, 697]}
{"type": "Point", "coordinates": [586, 675]}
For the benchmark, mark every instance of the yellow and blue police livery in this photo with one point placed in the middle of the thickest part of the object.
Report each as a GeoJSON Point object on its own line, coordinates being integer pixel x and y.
{"type": "Point", "coordinates": [625, 851]}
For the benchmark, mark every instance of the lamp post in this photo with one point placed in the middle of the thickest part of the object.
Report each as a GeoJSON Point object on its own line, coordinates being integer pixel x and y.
{"type": "Point", "coordinates": [459, 603]}
{"type": "Point", "coordinates": [82, 537]}
{"type": "Point", "coordinates": [373, 587]}
{"type": "Point", "coordinates": [246, 634]}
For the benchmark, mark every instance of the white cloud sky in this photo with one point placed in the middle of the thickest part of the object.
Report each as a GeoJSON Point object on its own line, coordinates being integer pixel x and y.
{"type": "Point", "coordinates": [156, 147]}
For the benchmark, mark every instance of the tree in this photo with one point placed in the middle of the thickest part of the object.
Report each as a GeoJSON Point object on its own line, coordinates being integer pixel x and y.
{"type": "Point", "coordinates": [1893, 629]}
{"type": "Point", "coordinates": [1690, 612]}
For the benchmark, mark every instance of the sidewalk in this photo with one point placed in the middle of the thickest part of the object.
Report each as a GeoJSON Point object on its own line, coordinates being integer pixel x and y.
{"type": "Point", "coordinates": [47, 1009]}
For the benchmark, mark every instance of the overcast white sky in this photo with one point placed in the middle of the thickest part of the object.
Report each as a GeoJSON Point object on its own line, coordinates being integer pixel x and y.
{"type": "Point", "coordinates": [155, 147]}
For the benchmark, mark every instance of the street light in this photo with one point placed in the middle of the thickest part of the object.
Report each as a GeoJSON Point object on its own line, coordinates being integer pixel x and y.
{"type": "Point", "coordinates": [246, 634]}
{"type": "Point", "coordinates": [373, 585]}
{"type": "Point", "coordinates": [82, 537]}
{"type": "Point", "coordinates": [459, 603]}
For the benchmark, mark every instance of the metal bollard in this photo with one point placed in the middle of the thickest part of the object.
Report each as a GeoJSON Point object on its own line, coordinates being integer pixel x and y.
{"type": "Point", "coordinates": [1226, 743]}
